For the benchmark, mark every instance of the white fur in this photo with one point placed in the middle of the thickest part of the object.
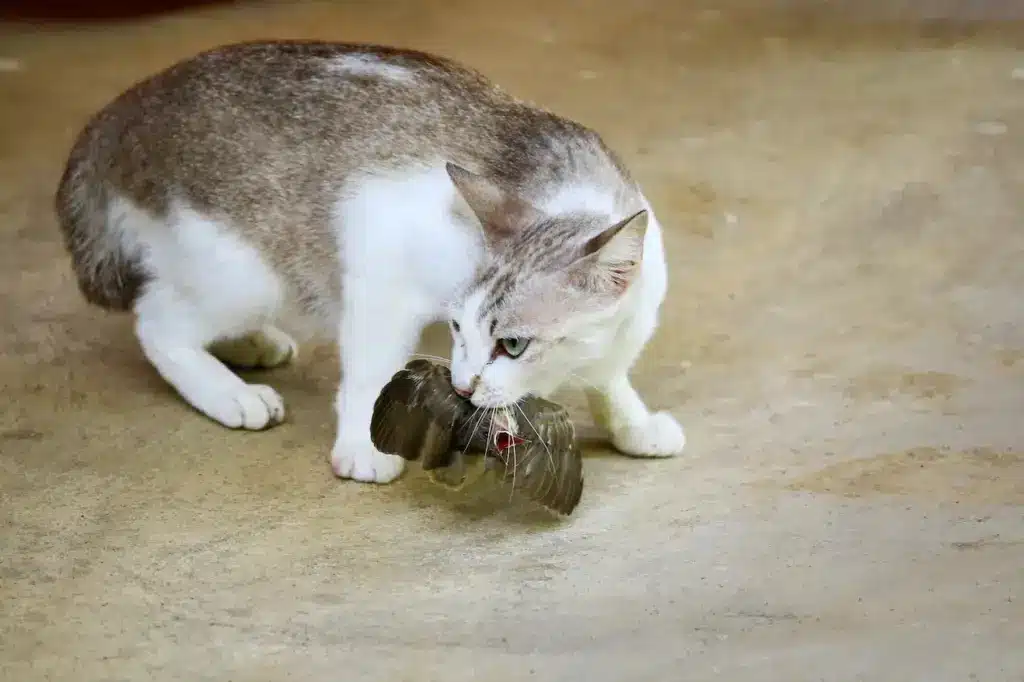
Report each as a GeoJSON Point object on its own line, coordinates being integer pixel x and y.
{"type": "Point", "coordinates": [210, 287]}
{"type": "Point", "coordinates": [369, 65]}
{"type": "Point", "coordinates": [406, 258]}
{"type": "Point", "coordinates": [614, 403]}
{"type": "Point", "coordinates": [569, 198]}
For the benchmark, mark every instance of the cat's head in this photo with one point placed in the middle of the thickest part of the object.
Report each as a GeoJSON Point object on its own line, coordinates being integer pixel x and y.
{"type": "Point", "coordinates": [543, 304]}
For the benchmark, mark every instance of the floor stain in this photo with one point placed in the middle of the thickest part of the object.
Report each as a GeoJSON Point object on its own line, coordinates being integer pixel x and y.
{"type": "Point", "coordinates": [977, 475]}
{"type": "Point", "coordinates": [888, 382]}
{"type": "Point", "coordinates": [1010, 357]}
{"type": "Point", "coordinates": [983, 543]}
{"type": "Point", "coordinates": [21, 434]}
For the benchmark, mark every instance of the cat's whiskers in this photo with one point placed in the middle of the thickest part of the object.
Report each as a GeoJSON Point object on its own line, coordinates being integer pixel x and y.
{"type": "Point", "coordinates": [490, 429]}
{"type": "Point", "coordinates": [476, 427]}
{"type": "Point", "coordinates": [583, 380]}
{"type": "Point", "coordinates": [551, 459]}
{"type": "Point", "coordinates": [552, 471]}
{"type": "Point", "coordinates": [436, 358]}
{"type": "Point", "coordinates": [515, 456]}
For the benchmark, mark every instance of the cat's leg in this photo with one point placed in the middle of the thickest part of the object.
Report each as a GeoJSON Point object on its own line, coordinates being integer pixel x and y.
{"type": "Point", "coordinates": [634, 430]}
{"type": "Point", "coordinates": [618, 408]}
{"type": "Point", "coordinates": [380, 327]}
{"type": "Point", "coordinates": [174, 336]}
{"type": "Point", "coordinates": [266, 348]}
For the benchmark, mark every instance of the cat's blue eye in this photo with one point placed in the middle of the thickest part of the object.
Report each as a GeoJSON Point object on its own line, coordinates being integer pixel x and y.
{"type": "Point", "coordinates": [513, 346]}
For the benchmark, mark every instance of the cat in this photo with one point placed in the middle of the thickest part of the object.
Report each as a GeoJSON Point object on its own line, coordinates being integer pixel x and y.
{"type": "Point", "coordinates": [364, 191]}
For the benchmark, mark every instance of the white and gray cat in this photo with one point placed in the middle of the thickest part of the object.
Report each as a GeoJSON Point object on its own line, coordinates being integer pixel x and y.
{"type": "Point", "coordinates": [365, 191]}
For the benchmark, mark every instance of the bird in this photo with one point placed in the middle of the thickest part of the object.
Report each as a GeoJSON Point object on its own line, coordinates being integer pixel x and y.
{"type": "Point", "coordinates": [531, 447]}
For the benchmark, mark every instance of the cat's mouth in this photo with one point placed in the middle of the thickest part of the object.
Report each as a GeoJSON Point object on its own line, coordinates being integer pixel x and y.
{"type": "Point", "coordinates": [503, 421]}
{"type": "Point", "coordinates": [505, 429]}
{"type": "Point", "coordinates": [503, 440]}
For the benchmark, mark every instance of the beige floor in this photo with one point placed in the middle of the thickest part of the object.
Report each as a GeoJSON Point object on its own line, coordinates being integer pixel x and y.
{"type": "Point", "coordinates": [844, 339]}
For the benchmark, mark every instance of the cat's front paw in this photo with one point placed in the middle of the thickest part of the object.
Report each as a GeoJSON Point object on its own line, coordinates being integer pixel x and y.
{"type": "Point", "coordinates": [250, 406]}
{"type": "Point", "coordinates": [660, 435]}
{"type": "Point", "coordinates": [360, 461]}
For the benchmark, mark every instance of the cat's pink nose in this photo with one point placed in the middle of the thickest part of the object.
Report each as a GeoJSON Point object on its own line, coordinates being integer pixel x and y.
{"type": "Point", "coordinates": [466, 392]}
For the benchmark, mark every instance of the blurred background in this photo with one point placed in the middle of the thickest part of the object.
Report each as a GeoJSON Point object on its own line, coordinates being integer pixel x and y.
{"type": "Point", "coordinates": [842, 190]}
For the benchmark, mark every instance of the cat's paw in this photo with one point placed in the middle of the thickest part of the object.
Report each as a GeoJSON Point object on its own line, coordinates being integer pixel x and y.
{"type": "Point", "coordinates": [267, 348]}
{"type": "Point", "coordinates": [251, 406]}
{"type": "Point", "coordinates": [660, 435]}
{"type": "Point", "coordinates": [363, 462]}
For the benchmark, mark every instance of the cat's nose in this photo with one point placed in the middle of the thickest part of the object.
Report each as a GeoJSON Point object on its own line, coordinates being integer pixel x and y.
{"type": "Point", "coordinates": [467, 392]}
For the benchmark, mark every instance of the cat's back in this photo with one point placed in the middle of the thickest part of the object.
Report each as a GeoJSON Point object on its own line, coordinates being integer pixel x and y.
{"type": "Point", "coordinates": [310, 112]}
{"type": "Point", "coordinates": [249, 126]}
{"type": "Point", "coordinates": [273, 140]}
{"type": "Point", "coordinates": [309, 82]}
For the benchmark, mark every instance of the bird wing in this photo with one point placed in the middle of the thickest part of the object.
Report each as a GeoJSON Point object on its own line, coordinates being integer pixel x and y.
{"type": "Point", "coordinates": [414, 413]}
{"type": "Point", "coordinates": [547, 466]}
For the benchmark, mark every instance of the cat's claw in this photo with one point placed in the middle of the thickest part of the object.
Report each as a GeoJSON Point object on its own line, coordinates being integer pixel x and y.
{"type": "Point", "coordinates": [252, 407]}
{"type": "Point", "coordinates": [363, 462]}
{"type": "Point", "coordinates": [660, 435]}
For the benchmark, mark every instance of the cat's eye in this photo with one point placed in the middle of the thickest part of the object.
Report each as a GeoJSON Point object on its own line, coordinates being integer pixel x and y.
{"type": "Point", "coordinates": [513, 346]}
{"type": "Point", "coordinates": [455, 325]}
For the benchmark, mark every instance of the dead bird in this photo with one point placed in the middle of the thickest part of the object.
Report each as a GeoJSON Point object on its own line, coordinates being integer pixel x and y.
{"type": "Point", "coordinates": [530, 445]}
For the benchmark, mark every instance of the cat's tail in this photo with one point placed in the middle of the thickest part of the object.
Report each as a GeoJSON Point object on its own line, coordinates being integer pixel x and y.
{"type": "Point", "coordinates": [108, 268]}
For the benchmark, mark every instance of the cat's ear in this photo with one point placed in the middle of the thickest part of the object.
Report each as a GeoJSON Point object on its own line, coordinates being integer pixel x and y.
{"type": "Point", "coordinates": [501, 213]}
{"type": "Point", "coordinates": [611, 259]}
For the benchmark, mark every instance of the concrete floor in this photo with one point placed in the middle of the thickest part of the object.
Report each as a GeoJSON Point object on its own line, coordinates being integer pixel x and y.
{"type": "Point", "coordinates": [844, 339]}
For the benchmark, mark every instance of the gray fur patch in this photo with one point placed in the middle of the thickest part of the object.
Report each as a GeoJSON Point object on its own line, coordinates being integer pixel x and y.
{"type": "Point", "coordinates": [262, 136]}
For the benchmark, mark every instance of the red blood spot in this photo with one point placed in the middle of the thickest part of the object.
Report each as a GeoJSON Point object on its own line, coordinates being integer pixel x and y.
{"type": "Point", "coordinates": [504, 440]}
